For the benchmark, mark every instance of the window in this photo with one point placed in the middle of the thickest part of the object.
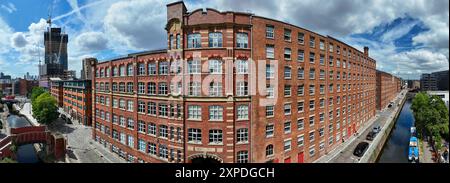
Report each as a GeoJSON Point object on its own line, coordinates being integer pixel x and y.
{"type": "Point", "coordinates": [122, 138]}
{"type": "Point", "coordinates": [242, 112]}
{"type": "Point", "coordinates": [151, 69]}
{"type": "Point", "coordinates": [130, 87]}
{"type": "Point", "coordinates": [194, 89]}
{"type": "Point", "coordinates": [163, 152]}
{"type": "Point", "coordinates": [242, 135]}
{"type": "Point", "coordinates": [242, 40]}
{"type": "Point", "coordinates": [152, 129]}
{"type": "Point", "coordinates": [312, 73]}
{"type": "Point", "coordinates": [301, 73]}
{"type": "Point", "coordinates": [130, 105]}
{"type": "Point", "coordinates": [163, 131]}
{"type": "Point", "coordinates": [141, 107]}
{"type": "Point", "coordinates": [215, 39]}
{"type": "Point", "coordinates": [287, 127]}
{"type": "Point", "coordinates": [194, 67]}
{"type": "Point", "coordinates": [287, 54]}
{"type": "Point", "coordinates": [141, 69]}
{"type": "Point", "coordinates": [164, 68]}
{"type": "Point", "coordinates": [269, 111]}
{"type": "Point", "coordinates": [330, 60]}
{"type": "Point", "coordinates": [300, 124]}
{"type": "Point", "coordinates": [312, 89]}
{"type": "Point", "coordinates": [115, 103]}
{"type": "Point", "coordinates": [122, 70]}
{"type": "Point", "coordinates": [171, 41]}
{"type": "Point", "coordinates": [287, 90]}
{"type": "Point", "coordinates": [115, 71]}
{"type": "Point", "coordinates": [287, 109]}
{"type": "Point", "coordinates": [331, 88]}
{"type": "Point", "coordinates": [301, 38]}
{"type": "Point", "coordinates": [269, 130]}
{"type": "Point", "coordinates": [312, 41]}
{"type": "Point", "coordinates": [321, 132]}
{"type": "Point", "coordinates": [312, 57]}
{"type": "Point", "coordinates": [270, 53]}
{"type": "Point", "coordinates": [300, 90]}
{"type": "Point", "coordinates": [194, 135]}
{"type": "Point", "coordinates": [241, 88]}
{"type": "Point", "coordinates": [270, 31]}
{"type": "Point", "coordinates": [301, 56]}
{"type": "Point", "coordinates": [194, 112]}
{"type": "Point", "coordinates": [321, 117]}
{"type": "Point", "coordinates": [194, 40]}
{"type": "Point", "coordinates": [300, 106]}
{"type": "Point", "coordinates": [130, 123]}
{"type": "Point", "coordinates": [121, 87]}
{"type": "Point", "coordinates": [178, 41]}
{"type": "Point", "coordinates": [130, 70]}
{"type": "Point", "coordinates": [215, 136]}
{"type": "Point", "coordinates": [215, 112]}
{"type": "Point", "coordinates": [215, 89]}
{"type": "Point", "coordinates": [311, 136]}
{"type": "Point", "coordinates": [122, 104]}
{"type": "Point", "coordinates": [269, 150]}
{"type": "Point", "coordinates": [242, 157]}
{"type": "Point", "coordinates": [287, 73]}
{"type": "Point", "coordinates": [300, 140]}
{"type": "Point", "coordinates": [322, 103]}
{"type": "Point", "coordinates": [322, 74]}
{"type": "Point", "coordinates": [151, 148]}
{"type": "Point", "coordinates": [270, 91]}
{"type": "Point", "coordinates": [151, 88]}
{"type": "Point", "coordinates": [130, 141]}
{"type": "Point", "coordinates": [311, 120]}
{"type": "Point", "coordinates": [270, 71]}
{"type": "Point", "coordinates": [322, 59]}
{"type": "Point", "coordinates": [162, 110]}
{"type": "Point", "coordinates": [141, 88]}
{"type": "Point", "coordinates": [241, 66]}
{"type": "Point", "coordinates": [287, 145]}
{"type": "Point", "coordinates": [322, 89]}
{"type": "Point", "coordinates": [312, 151]}
{"type": "Point", "coordinates": [141, 145]}
{"type": "Point", "coordinates": [287, 35]}
{"type": "Point", "coordinates": [322, 45]}
{"type": "Point", "coordinates": [114, 87]}
{"type": "Point", "coordinates": [141, 126]}
{"type": "Point", "coordinates": [162, 88]}
{"type": "Point", "coordinates": [215, 66]}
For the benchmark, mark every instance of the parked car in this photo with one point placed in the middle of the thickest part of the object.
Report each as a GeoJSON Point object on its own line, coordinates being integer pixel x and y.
{"type": "Point", "coordinates": [69, 121]}
{"type": "Point", "coordinates": [371, 135]}
{"type": "Point", "coordinates": [376, 129]}
{"type": "Point", "coordinates": [360, 149]}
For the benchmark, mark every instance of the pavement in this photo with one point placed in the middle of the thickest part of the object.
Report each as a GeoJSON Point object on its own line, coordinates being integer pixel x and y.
{"type": "Point", "coordinates": [427, 154]}
{"type": "Point", "coordinates": [344, 152]}
{"type": "Point", "coordinates": [81, 148]}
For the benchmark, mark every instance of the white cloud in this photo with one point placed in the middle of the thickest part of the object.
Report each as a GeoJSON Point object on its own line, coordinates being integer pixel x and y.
{"type": "Point", "coordinates": [10, 8]}
{"type": "Point", "coordinates": [91, 41]}
{"type": "Point", "coordinates": [18, 40]}
{"type": "Point", "coordinates": [5, 34]}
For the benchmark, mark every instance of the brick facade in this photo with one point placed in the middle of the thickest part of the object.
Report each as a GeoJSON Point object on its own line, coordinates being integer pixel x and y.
{"type": "Point", "coordinates": [388, 86]}
{"type": "Point", "coordinates": [346, 74]}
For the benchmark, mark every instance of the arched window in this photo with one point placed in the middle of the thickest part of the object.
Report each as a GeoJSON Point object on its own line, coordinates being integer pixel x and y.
{"type": "Point", "coordinates": [269, 150]}
{"type": "Point", "coordinates": [122, 70]}
{"type": "Point", "coordinates": [130, 70]}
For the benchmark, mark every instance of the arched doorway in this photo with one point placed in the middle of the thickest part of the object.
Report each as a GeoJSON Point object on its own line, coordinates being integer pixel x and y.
{"type": "Point", "coordinates": [205, 159]}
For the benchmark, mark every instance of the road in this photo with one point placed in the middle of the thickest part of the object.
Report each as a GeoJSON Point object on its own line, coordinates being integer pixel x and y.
{"type": "Point", "coordinates": [346, 153]}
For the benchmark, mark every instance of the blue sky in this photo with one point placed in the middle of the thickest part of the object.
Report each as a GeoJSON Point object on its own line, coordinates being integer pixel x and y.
{"type": "Point", "coordinates": [407, 37]}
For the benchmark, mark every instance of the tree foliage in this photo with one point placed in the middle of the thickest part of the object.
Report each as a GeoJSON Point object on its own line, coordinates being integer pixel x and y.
{"type": "Point", "coordinates": [35, 92]}
{"type": "Point", "coordinates": [44, 108]}
{"type": "Point", "coordinates": [8, 160]}
{"type": "Point", "coordinates": [431, 116]}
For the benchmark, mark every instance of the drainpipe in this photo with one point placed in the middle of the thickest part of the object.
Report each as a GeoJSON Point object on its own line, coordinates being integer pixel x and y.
{"type": "Point", "coordinates": [251, 97]}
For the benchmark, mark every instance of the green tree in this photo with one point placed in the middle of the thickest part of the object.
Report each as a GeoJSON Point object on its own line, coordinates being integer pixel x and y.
{"type": "Point", "coordinates": [8, 160]}
{"type": "Point", "coordinates": [44, 108]}
{"type": "Point", "coordinates": [35, 92]}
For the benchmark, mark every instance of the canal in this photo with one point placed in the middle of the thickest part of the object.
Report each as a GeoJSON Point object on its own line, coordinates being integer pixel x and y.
{"type": "Point", "coordinates": [396, 148]}
{"type": "Point", "coordinates": [25, 153]}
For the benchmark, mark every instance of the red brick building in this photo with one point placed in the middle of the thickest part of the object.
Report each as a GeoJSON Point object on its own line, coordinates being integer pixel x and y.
{"type": "Point", "coordinates": [25, 86]}
{"type": "Point", "coordinates": [56, 90]}
{"type": "Point", "coordinates": [233, 87]}
{"type": "Point", "coordinates": [77, 100]}
{"type": "Point", "coordinates": [388, 86]}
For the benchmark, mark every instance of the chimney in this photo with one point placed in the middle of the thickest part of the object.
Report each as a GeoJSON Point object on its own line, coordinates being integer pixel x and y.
{"type": "Point", "coordinates": [366, 51]}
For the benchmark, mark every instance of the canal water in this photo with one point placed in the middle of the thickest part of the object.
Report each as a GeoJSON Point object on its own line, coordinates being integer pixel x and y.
{"type": "Point", "coordinates": [25, 153]}
{"type": "Point", "coordinates": [396, 148]}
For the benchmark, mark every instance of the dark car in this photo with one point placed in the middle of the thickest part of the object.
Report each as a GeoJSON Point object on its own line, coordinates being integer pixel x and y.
{"type": "Point", "coordinates": [69, 121]}
{"type": "Point", "coordinates": [360, 149]}
{"type": "Point", "coordinates": [371, 135]}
